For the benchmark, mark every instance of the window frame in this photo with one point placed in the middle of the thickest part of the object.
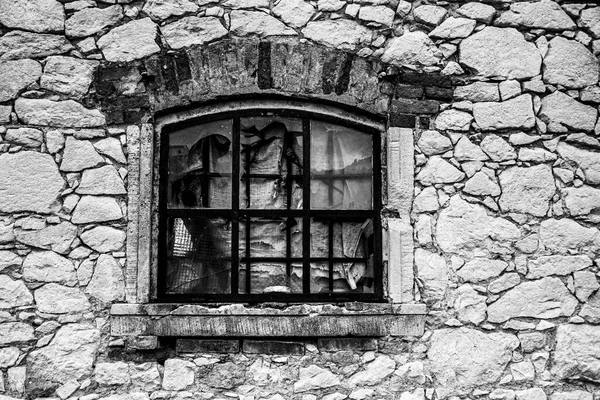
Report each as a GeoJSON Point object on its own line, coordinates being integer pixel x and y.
{"type": "Point", "coordinates": [285, 110]}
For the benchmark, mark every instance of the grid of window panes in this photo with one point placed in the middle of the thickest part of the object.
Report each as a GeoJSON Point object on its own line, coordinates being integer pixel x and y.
{"type": "Point", "coordinates": [270, 207]}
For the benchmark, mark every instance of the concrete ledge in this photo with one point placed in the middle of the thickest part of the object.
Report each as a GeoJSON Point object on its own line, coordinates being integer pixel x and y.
{"type": "Point", "coordinates": [239, 321]}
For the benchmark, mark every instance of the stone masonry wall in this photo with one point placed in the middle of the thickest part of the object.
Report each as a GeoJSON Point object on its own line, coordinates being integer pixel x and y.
{"type": "Point", "coordinates": [503, 96]}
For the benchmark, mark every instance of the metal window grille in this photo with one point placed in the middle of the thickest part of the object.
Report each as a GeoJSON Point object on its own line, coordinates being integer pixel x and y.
{"type": "Point", "coordinates": [221, 269]}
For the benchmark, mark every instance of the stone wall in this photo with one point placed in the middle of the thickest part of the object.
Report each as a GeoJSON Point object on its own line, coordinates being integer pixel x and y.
{"type": "Point", "coordinates": [503, 97]}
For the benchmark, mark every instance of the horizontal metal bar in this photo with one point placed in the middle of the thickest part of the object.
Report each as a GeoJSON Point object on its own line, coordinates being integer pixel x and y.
{"type": "Point", "coordinates": [271, 176]}
{"type": "Point", "coordinates": [271, 259]}
{"type": "Point", "coordinates": [209, 174]}
{"type": "Point", "coordinates": [269, 297]}
{"type": "Point", "coordinates": [299, 259]}
{"type": "Point", "coordinates": [332, 176]}
{"type": "Point", "coordinates": [341, 215]}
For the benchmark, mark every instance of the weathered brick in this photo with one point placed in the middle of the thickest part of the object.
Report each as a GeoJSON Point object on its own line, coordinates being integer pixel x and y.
{"type": "Point", "coordinates": [133, 116]}
{"type": "Point", "coordinates": [413, 106]}
{"type": "Point", "coordinates": [336, 73]}
{"type": "Point", "coordinates": [427, 79]}
{"type": "Point", "coordinates": [409, 91]}
{"type": "Point", "coordinates": [106, 78]}
{"type": "Point", "coordinates": [140, 101]}
{"type": "Point", "coordinates": [402, 120]}
{"type": "Point", "coordinates": [273, 347]}
{"type": "Point", "coordinates": [356, 344]}
{"type": "Point", "coordinates": [265, 79]}
{"type": "Point", "coordinates": [207, 346]}
{"type": "Point", "coordinates": [113, 116]}
{"type": "Point", "coordinates": [438, 93]}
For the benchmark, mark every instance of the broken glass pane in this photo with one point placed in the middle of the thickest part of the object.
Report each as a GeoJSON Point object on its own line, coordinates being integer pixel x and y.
{"type": "Point", "coordinates": [294, 155]}
{"type": "Point", "coordinates": [269, 147]}
{"type": "Point", "coordinates": [296, 236]}
{"type": "Point", "coordinates": [347, 277]}
{"type": "Point", "coordinates": [200, 166]}
{"type": "Point", "coordinates": [269, 277]}
{"type": "Point", "coordinates": [341, 167]}
{"type": "Point", "coordinates": [264, 193]}
{"type": "Point", "coordinates": [343, 194]}
{"type": "Point", "coordinates": [267, 238]}
{"type": "Point", "coordinates": [319, 277]}
{"type": "Point", "coordinates": [219, 193]}
{"type": "Point", "coordinates": [319, 238]}
{"type": "Point", "coordinates": [198, 258]}
{"type": "Point", "coordinates": [352, 277]}
{"type": "Point", "coordinates": [351, 239]}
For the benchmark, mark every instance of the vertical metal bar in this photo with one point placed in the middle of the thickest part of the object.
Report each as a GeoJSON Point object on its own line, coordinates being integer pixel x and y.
{"type": "Point", "coordinates": [306, 206]}
{"type": "Point", "coordinates": [204, 185]}
{"type": "Point", "coordinates": [235, 205]}
{"type": "Point", "coordinates": [330, 224]}
{"type": "Point", "coordinates": [288, 246]}
{"type": "Point", "coordinates": [377, 257]}
{"type": "Point", "coordinates": [287, 151]}
{"type": "Point", "coordinates": [248, 280]}
{"type": "Point", "coordinates": [329, 153]}
{"type": "Point", "coordinates": [163, 218]}
{"type": "Point", "coordinates": [247, 219]}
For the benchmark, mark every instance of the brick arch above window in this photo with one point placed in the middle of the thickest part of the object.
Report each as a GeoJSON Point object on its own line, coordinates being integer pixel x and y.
{"type": "Point", "coordinates": [280, 66]}
{"type": "Point", "coordinates": [195, 75]}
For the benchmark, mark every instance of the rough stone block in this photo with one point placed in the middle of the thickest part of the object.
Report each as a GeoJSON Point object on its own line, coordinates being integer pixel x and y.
{"type": "Point", "coordinates": [142, 342]}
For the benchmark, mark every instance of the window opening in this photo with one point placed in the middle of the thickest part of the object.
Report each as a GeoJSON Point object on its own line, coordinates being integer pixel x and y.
{"type": "Point", "coordinates": [270, 206]}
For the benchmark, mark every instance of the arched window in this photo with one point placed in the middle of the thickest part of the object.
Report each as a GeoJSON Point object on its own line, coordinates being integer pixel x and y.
{"type": "Point", "coordinates": [276, 202]}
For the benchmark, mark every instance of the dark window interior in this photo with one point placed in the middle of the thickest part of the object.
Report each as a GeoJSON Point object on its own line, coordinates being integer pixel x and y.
{"type": "Point", "coordinates": [270, 206]}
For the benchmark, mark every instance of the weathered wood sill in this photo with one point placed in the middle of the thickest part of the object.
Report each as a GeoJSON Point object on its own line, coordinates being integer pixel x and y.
{"type": "Point", "coordinates": [237, 320]}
